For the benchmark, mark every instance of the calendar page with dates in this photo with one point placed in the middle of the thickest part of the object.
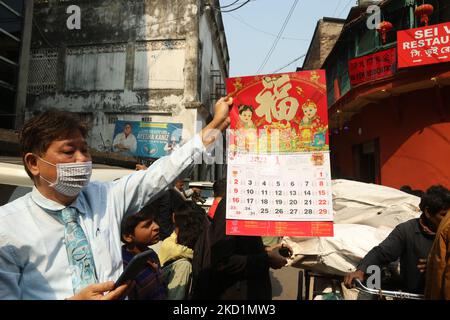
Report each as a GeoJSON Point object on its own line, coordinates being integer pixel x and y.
{"type": "Point", "coordinates": [278, 163]}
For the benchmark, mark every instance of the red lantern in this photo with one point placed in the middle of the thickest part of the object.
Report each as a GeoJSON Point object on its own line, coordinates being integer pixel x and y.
{"type": "Point", "coordinates": [423, 11]}
{"type": "Point", "coordinates": [384, 27]}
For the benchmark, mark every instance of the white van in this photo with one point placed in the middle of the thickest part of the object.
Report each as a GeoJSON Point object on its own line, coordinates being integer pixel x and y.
{"type": "Point", "coordinates": [14, 181]}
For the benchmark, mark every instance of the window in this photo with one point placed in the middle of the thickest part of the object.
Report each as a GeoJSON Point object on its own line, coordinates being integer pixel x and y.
{"type": "Point", "coordinates": [159, 65]}
{"type": "Point", "coordinates": [400, 20]}
{"type": "Point", "coordinates": [331, 76]}
{"type": "Point", "coordinates": [96, 68]}
{"type": "Point", "coordinates": [352, 43]}
{"type": "Point", "coordinates": [342, 73]}
{"type": "Point", "coordinates": [10, 34]}
{"type": "Point", "coordinates": [11, 31]}
{"type": "Point", "coordinates": [8, 73]}
{"type": "Point", "coordinates": [7, 98]}
{"type": "Point", "coordinates": [42, 74]}
{"type": "Point", "coordinates": [444, 13]}
{"type": "Point", "coordinates": [366, 41]}
{"type": "Point", "coordinates": [15, 5]}
{"type": "Point", "coordinates": [11, 21]}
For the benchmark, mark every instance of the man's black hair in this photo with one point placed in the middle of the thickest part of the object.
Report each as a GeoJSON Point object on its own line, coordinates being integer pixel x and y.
{"type": "Point", "coordinates": [39, 132]}
{"type": "Point", "coordinates": [220, 188]}
{"type": "Point", "coordinates": [189, 218]}
{"type": "Point", "coordinates": [436, 199]}
{"type": "Point", "coordinates": [406, 189]}
{"type": "Point", "coordinates": [418, 193]}
{"type": "Point", "coordinates": [130, 222]}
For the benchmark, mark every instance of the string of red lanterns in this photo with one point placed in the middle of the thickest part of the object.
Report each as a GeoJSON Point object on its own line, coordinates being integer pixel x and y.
{"type": "Point", "coordinates": [384, 27]}
{"type": "Point", "coordinates": [424, 11]}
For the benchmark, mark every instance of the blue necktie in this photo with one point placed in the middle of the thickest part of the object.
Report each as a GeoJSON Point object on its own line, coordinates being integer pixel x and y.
{"type": "Point", "coordinates": [79, 253]}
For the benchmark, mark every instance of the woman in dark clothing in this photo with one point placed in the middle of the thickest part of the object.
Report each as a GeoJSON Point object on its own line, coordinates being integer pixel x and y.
{"type": "Point", "coordinates": [239, 264]}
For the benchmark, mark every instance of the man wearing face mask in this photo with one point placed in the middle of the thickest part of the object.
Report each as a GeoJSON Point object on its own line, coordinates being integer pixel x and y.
{"type": "Point", "coordinates": [62, 240]}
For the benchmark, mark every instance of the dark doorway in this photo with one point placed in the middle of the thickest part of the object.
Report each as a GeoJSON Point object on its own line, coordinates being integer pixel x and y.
{"type": "Point", "coordinates": [366, 159]}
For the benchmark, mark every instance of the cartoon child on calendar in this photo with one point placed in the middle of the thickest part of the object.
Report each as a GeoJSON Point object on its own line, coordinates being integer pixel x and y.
{"type": "Point", "coordinates": [246, 137]}
{"type": "Point", "coordinates": [245, 118]}
{"type": "Point", "coordinates": [311, 130]}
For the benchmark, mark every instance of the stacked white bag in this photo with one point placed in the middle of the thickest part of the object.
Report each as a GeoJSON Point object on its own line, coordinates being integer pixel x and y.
{"type": "Point", "coordinates": [364, 215]}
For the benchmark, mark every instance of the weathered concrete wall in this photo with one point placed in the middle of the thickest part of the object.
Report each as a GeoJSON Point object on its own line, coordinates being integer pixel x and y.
{"type": "Point", "coordinates": [326, 34]}
{"type": "Point", "coordinates": [111, 21]}
{"type": "Point", "coordinates": [312, 60]}
{"type": "Point", "coordinates": [329, 35]}
{"type": "Point", "coordinates": [131, 60]}
{"type": "Point", "coordinates": [116, 38]}
{"type": "Point", "coordinates": [167, 103]}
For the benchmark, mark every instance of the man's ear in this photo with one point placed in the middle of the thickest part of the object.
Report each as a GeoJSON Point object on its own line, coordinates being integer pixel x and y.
{"type": "Point", "coordinates": [128, 238]}
{"type": "Point", "coordinates": [30, 161]}
{"type": "Point", "coordinates": [427, 214]}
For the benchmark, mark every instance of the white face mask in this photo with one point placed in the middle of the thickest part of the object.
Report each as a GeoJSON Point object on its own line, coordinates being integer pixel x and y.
{"type": "Point", "coordinates": [70, 177]}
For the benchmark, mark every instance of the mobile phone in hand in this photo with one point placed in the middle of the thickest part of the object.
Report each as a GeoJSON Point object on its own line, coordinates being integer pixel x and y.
{"type": "Point", "coordinates": [136, 265]}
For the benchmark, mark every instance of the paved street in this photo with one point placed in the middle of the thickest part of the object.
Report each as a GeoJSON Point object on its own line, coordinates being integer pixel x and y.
{"type": "Point", "coordinates": [285, 283]}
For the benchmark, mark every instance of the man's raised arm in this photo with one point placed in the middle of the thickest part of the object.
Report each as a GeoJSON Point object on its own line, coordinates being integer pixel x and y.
{"type": "Point", "coordinates": [134, 191]}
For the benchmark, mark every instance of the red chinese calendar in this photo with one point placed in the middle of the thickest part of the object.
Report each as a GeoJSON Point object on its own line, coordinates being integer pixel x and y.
{"type": "Point", "coordinates": [279, 181]}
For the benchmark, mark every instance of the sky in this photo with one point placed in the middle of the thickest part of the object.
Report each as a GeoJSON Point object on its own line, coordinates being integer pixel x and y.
{"type": "Point", "coordinates": [252, 29]}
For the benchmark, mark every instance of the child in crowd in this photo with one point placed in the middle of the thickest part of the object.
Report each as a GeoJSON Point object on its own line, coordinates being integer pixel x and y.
{"type": "Point", "coordinates": [139, 231]}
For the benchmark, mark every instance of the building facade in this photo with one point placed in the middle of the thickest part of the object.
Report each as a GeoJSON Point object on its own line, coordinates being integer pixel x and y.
{"type": "Point", "coordinates": [324, 39]}
{"type": "Point", "coordinates": [392, 128]}
{"type": "Point", "coordinates": [152, 61]}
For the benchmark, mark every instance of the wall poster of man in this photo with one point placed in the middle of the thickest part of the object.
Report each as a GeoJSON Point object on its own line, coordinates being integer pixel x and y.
{"type": "Point", "coordinates": [147, 139]}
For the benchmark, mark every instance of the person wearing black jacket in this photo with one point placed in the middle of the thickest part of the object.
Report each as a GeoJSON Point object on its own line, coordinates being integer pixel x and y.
{"type": "Point", "coordinates": [239, 265]}
{"type": "Point", "coordinates": [410, 242]}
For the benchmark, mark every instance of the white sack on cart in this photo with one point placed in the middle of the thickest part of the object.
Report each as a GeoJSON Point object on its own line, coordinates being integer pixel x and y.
{"type": "Point", "coordinates": [339, 254]}
{"type": "Point", "coordinates": [371, 204]}
{"type": "Point", "coordinates": [364, 215]}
